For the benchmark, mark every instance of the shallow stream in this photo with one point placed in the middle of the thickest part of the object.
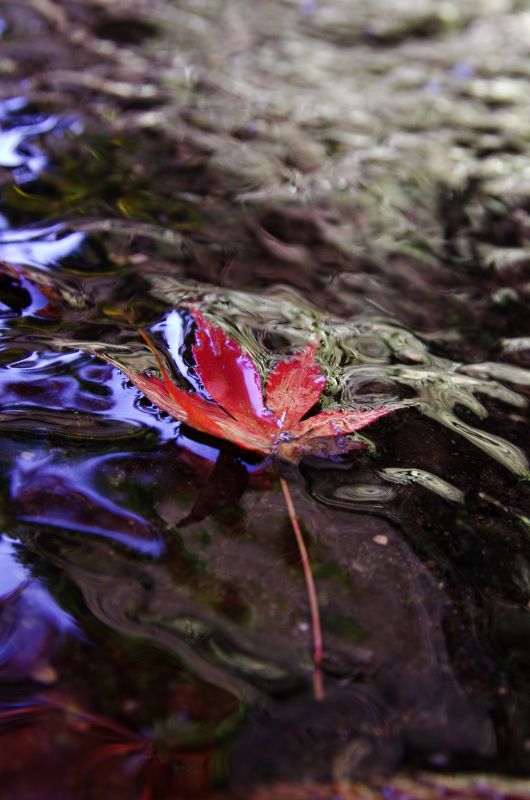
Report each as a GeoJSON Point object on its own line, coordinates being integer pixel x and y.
{"type": "Point", "coordinates": [299, 172]}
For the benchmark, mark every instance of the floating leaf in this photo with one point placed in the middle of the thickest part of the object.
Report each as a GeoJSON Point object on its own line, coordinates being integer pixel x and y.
{"type": "Point", "coordinates": [237, 410]}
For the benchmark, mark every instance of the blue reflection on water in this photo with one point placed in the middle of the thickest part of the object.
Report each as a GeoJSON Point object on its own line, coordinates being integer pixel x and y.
{"type": "Point", "coordinates": [125, 406]}
{"type": "Point", "coordinates": [38, 247]}
{"type": "Point", "coordinates": [37, 301]}
{"type": "Point", "coordinates": [174, 330]}
{"type": "Point", "coordinates": [34, 246]}
{"type": "Point", "coordinates": [17, 128]}
{"type": "Point", "coordinates": [50, 490]}
{"type": "Point", "coordinates": [43, 381]}
{"type": "Point", "coordinates": [13, 575]}
{"type": "Point", "coordinates": [31, 622]}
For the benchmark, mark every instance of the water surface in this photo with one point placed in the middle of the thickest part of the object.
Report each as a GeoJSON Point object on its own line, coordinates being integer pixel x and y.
{"type": "Point", "coordinates": [150, 646]}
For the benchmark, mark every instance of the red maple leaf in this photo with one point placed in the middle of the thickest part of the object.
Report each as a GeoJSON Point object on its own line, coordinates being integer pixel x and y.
{"type": "Point", "coordinates": [273, 421]}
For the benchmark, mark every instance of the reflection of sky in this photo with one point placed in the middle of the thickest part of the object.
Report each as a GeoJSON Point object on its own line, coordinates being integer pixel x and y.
{"type": "Point", "coordinates": [125, 406]}
{"type": "Point", "coordinates": [173, 328]}
{"type": "Point", "coordinates": [10, 105]}
{"type": "Point", "coordinates": [69, 493]}
{"type": "Point", "coordinates": [13, 575]}
{"type": "Point", "coordinates": [43, 361]}
{"type": "Point", "coordinates": [16, 129]}
{"type": "Point", "coordinates": [37, 247]}
{"type": "Point", "coordinates": [13, 155]}
{"type": "Point", "coordinates": [38, 301]}
{"type": "Point", "coordinates": [38, 369]}
{"type": "Point", "coordinates": [57, 390]}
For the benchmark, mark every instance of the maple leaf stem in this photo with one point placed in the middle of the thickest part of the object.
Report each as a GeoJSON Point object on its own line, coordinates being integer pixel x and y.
{"type": "Point", "coordinates": [318, 685]}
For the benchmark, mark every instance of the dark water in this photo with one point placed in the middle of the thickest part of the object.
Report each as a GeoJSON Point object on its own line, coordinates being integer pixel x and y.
{"type": "Point", "coordinates": [143, 658]}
